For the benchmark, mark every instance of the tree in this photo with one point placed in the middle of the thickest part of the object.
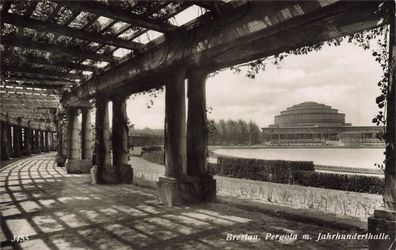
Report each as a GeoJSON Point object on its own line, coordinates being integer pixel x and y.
{"type": "Point", "coordinates": [254, 133]}
{"type": "Point", "coordinates": [243, 136]}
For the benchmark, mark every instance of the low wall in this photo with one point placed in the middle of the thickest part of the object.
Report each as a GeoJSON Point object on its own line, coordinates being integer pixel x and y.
{"type": "Point", "coordinates": [354, 204]}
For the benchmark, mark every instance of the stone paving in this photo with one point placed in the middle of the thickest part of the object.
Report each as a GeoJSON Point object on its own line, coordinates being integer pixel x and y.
{"type": "Point", "coordinates": [42, 207]}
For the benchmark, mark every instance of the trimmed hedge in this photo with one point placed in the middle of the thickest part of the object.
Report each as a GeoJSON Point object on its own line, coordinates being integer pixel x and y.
{"type": "Point", "coordinates": [354, 183]}
{"type": "Point", "coordinates": [157, 157]}
{"type": "Point", "coordinates": [279, 171]}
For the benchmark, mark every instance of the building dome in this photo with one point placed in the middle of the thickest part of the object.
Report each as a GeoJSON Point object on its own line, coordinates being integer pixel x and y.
{"type": "Point", "coordinates": [310, 114]}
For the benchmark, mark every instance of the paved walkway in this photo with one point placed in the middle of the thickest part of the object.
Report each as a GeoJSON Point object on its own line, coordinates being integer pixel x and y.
{"type": "Point", "coordinates": [49, 209]}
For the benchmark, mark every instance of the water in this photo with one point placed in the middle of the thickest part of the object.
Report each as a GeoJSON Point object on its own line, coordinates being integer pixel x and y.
{"type": "Point", "coordinates": [346, 157]}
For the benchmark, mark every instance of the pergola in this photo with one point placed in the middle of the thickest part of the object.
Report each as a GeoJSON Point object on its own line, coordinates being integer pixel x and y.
{"type": "Point", "coordinates": [92, 52]}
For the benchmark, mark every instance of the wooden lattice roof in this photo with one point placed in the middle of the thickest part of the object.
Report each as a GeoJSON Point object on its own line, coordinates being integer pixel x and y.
{"type": "Point", "coordinates": [61, 43]}
{"type": "Point", "coordinates": [104, 45]}
{"type": "Point", "coordinates": [56, 45]}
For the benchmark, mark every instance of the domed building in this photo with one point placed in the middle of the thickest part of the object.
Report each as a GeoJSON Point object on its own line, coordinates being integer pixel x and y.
{"type": "Point", "coordinates": [311, 122]}
{"type": "Point", "coordinates": [310, 114]}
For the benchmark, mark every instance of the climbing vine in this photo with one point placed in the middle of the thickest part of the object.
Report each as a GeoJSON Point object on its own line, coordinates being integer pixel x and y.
{"type": "Point", "coordinates": [364, 39]}
{"type": "Point", "coordinates": [375, 40]}
{"type": "Point", "coordinates": [151, 93]}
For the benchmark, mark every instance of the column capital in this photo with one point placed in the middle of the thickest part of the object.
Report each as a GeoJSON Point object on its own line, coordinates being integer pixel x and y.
{"type": "Point", "coordinates": [198, 72]}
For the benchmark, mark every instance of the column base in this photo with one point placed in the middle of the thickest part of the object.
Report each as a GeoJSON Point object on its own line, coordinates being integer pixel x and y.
{"type": "Point", "coordinates": [382, 223]}
{"type": "Point", "coordinates": [78, 166]}
{"type": "Point", "coordinates": [168, 192]}
{"type": "Point", "coordinates": [189, 189]}
{"type": "Point", "coordinates": [60, 160]}
{"type": "Point", "coordinates": [126, 174]}
{"type": "Point", "coordinates": [121, 174]}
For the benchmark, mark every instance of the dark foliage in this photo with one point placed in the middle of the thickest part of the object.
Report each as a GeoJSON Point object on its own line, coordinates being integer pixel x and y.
{"type": "Point", "coordinates": [355, 183]}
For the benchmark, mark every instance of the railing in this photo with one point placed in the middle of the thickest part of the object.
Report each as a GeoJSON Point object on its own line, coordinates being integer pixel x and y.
{"type": "Point", "coordinates": [349, 170]}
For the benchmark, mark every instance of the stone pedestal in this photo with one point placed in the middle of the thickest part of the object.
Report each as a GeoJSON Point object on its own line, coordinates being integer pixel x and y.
{"type": "Point", "coordinates": [78, 166]}
{"type": "Point", "coordinates": [189, 189]}
{"type": "Point", "coordinates": [168, 191]}
{"type": "Point", "coordinates": [109, 174]}
{"type": "Point", "coordinates": [126, 172]}
{"type": "Point", "coordinates": [382, 222]}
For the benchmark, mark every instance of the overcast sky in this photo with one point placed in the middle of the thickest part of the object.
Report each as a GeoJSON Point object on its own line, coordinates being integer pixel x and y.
{"type": "Point", "coordinates": [343, 77]}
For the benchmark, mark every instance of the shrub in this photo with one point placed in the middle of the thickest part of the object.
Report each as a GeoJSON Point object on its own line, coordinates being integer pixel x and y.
{"type": "Point", "coordinates": [355, 183]}
{"type": "Point", "coordinates": [157, 157]}
{"type": "Point", "coordinates": [263, 170]}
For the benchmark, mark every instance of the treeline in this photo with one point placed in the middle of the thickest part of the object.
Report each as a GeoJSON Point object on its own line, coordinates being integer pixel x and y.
{"type": "Point", "coordinates": [233, 132]}
{"type": "Point", "coordinates": [146, 131]}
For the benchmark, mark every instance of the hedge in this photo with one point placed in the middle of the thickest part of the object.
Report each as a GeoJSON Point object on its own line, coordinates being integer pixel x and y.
{"type": "Point", "coordinates": [279, 171]}
{"type": "Point", "coordinates": [157, 157]}
{"type": "Point", "coordinates": [355, 183]}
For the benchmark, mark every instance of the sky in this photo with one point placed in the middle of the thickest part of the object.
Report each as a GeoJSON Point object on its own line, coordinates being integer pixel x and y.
{"type": "Point", "coordinates": [344, 77]}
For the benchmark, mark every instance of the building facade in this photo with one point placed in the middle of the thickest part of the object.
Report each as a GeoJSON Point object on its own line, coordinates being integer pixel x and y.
{"type": "Point", "coordinates": [315, 123]}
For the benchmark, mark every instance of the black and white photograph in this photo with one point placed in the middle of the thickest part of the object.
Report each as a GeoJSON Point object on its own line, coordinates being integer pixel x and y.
{"type": "Point", "coordinates": [208, 124]}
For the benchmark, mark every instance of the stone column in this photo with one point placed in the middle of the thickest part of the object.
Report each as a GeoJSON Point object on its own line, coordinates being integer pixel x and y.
{"type": "Point", "coordinates": [53, 142]}
{"type": "Point", "coordinates": [384, 219]}
{"type": "Point", "coordinates": [73, 147]}
{"type": "Point", "coordinates": [120, 139]}
{"type": "Point", "coordinates": [37, 141]}
{"type": "Point", "coordinates": [175, 140]}
{"type": "Point", "coordinates": [27, 141]}
{"type": "Point", "coordinates": [9, 144]}
{"type": "Point", "coordinates": [106, 173]}
{"type": "Point", "coordinates": [32, 140]}
{"type": "Point", "coordinates": [46, 142]}
{"type": "Point", "coordinates": [49, 141]}
{"type": "Point", "coordinates": [86, 134]}
{"type": "Point", "coordinates": [5, 153]}
{"type": "Point", "coordinates": [60, 139]}
{"type": "Point", "coordinates": [42, 143]}
{"type": "Point", "coordinates": [61, 154]}
{"type": "Point", "coordinates": [175, 126]}
{"type": "Point", "coordinates": [202, 186]}
{"type": "Point", "coordinates": [75, 164]}
{"type": "Point", "coordinates": [17, 140]}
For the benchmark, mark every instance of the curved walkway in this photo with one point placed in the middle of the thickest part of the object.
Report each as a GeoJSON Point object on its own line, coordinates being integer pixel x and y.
{"type": "Point", "coordinates": [49, 209]}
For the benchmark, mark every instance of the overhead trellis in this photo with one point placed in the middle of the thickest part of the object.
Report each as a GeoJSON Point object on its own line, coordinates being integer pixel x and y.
{"type": "Point", "coordinates": [56, 45]}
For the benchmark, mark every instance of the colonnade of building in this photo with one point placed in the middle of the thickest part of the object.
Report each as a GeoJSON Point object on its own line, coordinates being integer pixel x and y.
{"type": "Point", "coordinates": [18, 140]}
{"type": "Point", "coordinates": [186, 177]}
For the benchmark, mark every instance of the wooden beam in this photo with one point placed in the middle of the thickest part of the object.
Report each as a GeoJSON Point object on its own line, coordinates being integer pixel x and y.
{"type": "Point", "coordinates": [118, 14]}
{"type": "Point", "coordinates": [31, 8]}
{"type": "Point", "coordinates": [37, 79]}
{"type": "Point", "coordinates": [51, 62]}
{"type": "Point", "coordinates": [55, 49]}
{"type": "Point", "coordinates": [6, 6]}
{"type": "Point", "coordinates": [34, 85]}
{"type": "Point", "coordinates": [16, 89]}
{"type": "Point", "coordinates": [239, 41]}
{"type": "Point", "coordinates": [181, 7]}
{"type": "Point", "coordinates": [212, 6]}
{"type": "Point", "coordinates": [68, 31]}
{"type": "Point", "coordinates": [39, 71]}
{"type": "Point", "coordinates": [26, 123]}
{"type": "Point", "coordinates": [29, 98]}
{"type": "Point", "coordinates": [38, 110]}
{"type": "Point", "coordinates": [54, 13]}
{"type": "Point", "coordinates": [28, 115]}
{"type": "Point", "coordinates": [35, 76]}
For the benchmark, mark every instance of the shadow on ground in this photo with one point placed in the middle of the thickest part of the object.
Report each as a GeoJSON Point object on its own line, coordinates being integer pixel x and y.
{"type": "Point", "coordinates": [55, 210]}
